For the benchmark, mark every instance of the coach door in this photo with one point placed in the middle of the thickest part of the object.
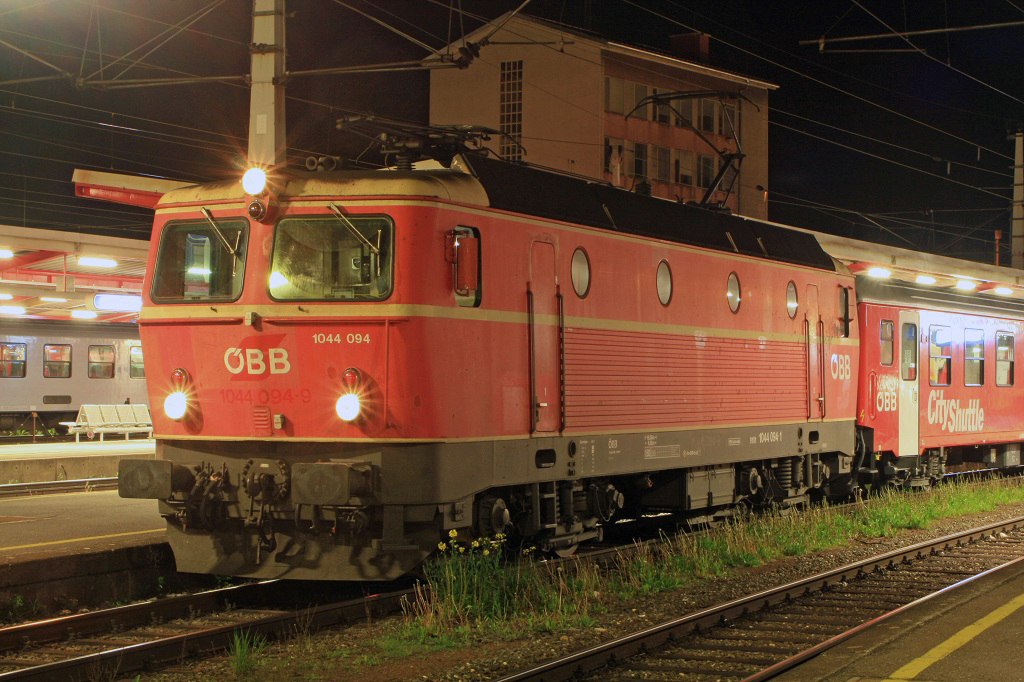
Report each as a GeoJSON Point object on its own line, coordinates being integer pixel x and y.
{"type": "Point", "coordinates": [813, 333]}
{"type": "Point", "coordinates": [545, 333]}
{"type": "Point", "coordinates": [909, 416]}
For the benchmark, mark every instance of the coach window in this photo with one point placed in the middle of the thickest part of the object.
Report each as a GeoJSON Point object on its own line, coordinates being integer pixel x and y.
{"type": "Point", "coordinates": [1004, 359]}
{"type": "Point", "coordinates": [732, 292]}
{"type": "Point", "coordinates": [792, 302]}
{"type": "Point", "coordinates": [908, 351]}
{"type": "Point", "coordinates": [664, 282]}
{"type": "Point", "coordinates": [57, 360]}
{"type": "Point", "coordinates": [580, 272]}
{"type": "Point", "coordinates": [885, 339]}
{"type": "Point", "coordinates": [101, 362]}
{"type": "Point", "coordinates": [940, 356]}
{"type": "Point", "coordinates": [974, 357]}
{"type": "Point", "coordinates": [135, 367]}
{"type": "Point", "coordinates": [12, 360]}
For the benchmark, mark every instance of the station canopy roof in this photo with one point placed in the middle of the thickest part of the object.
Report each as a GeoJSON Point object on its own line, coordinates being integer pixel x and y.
{"type": "Point", "coordinates": [58, 275]}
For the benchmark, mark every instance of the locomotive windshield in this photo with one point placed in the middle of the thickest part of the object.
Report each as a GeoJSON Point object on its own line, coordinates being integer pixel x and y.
{"type": "Point", "coordinates": [194, 262]}
{"type": "Point", "coordinates": [332, 258]}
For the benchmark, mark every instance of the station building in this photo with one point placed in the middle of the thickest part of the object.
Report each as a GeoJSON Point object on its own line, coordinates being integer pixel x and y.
{"type": "Point", "coordinates": [580, 103]}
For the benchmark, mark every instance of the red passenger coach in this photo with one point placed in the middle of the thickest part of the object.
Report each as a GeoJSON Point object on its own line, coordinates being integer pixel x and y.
{"type": "Point", "coordinates": [354, 364]}
{"type": "Point", "coordinates": [937, 382]}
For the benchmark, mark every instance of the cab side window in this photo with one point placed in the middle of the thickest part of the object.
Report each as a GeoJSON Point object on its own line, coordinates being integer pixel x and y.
{"type": "Point", "coordinates": [885, 331]}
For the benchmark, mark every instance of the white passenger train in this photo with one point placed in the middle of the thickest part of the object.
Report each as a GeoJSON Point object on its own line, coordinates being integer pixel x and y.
{"type": "Point", "coordinates": [52, 368]}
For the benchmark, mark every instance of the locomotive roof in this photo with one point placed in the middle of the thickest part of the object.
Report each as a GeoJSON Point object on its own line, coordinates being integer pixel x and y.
{"type": "Point", "coordinates": [513, 187]}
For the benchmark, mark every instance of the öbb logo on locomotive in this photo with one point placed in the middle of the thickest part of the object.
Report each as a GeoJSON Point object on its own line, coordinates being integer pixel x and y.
{"type": "Point", "coordinates": [840, 366]}
{"type": "Point", "coordinates": [253, 361]}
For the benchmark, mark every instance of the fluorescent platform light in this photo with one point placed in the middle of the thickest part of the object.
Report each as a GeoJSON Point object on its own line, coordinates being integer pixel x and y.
{"type": "Point", "coordinates": [121, 303]}
{"type": "Point", "coordinates": [11, 310]}
{"type": "Point", "coordinates": [925, 279]}
{"type": "Point", "coordinates": [6, 253]}
{"type": "Point", "coordinates": [53, 299]}
{"type": "Point", "coordinates": [1002, 291]}
{"type": "Point", "coordinates": [97, 262]}
{"type": "Point", "coordinates": [878, 273]}
{"type": "Point", "coordinates": [965, 285]}
{"type": "Point", "coordinates": [83, 314]}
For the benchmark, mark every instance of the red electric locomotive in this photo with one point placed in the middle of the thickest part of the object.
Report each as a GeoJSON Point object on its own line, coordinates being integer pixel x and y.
{"type": "Point", "coordinates": [353, 364]}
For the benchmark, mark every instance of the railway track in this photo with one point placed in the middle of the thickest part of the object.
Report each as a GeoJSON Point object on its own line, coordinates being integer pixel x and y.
{"type": "Point", "coordinates": [112, 642]}
{"type": "Point", "coordinates": [51, 487]}
{"type": "Point", "coordinates": [764, 634]}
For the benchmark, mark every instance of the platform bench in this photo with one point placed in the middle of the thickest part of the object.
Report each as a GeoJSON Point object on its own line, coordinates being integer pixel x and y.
{"type": "Point", "coordinates": [103, 419]}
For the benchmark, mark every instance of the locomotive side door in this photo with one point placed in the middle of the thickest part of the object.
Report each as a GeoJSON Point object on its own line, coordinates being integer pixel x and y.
{"type": "Point", "coordinates": [813, 329]}
{"type": "Point", "coordinates": [909, 416]}
{"type": "Point", "coordinates": [545, 356]}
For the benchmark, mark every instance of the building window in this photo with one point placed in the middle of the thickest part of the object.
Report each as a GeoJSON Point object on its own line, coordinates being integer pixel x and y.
{"type": "Point", "coordinates": [792, 303]}
{"type": "Point", "coordinates": [637, 160]}
{"type": "Point", "coordinates": [684, 113]}
{"type": "Point", "coordinates": [135, 368]}
{"type": "Point", "coordinates": [707, 115]}
{"type": "Point", "coordinates": [1004, 359]}
{"type": "Point", "coordinates": [101, 362]}
{"type": "Point", "coordinates": [510, 119]}
{"type": "Point", "coordinates": [662, 112]}
{"type": "Point", "coordinates": [974, 357]}
{"type": "Point", "coordinates": [885, 337]}
{"type": "Point", "coordinates": [613, 91]}
{"type": "Point", "coordinates": [579, 272]}
{"type": "Point", "coordinates": [682, 167]}
{"type": "Point", "coordinates": [732, 292]}
{"type": "Point", "coordinates": [639, 94]}
{"type": "Point", "coordinates": [12, 360]}
{"type": "Point", "coordinates": [940, 356]}
{"type": "Point", "coordinates": [57, 360]}
{"type": "Point", "coordinates": [727, 120]}
{"type": "Point", "coordinates": [662, 165]}
{"type": "Point", "coordinates": [705, 171]}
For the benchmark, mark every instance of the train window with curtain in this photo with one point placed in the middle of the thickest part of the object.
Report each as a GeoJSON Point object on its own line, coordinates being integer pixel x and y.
{"type": "Point", "coordinates": [732, 292]}
{"type": "Point", "coordinates": [135, 368]}
{"type": "Point", "coordinates": [940, 353]}
{"type": "Point", "coordinates": [1004, 359]}
{"type": "Point", "coordinates": [792, 301]}
{"type": "Point", "coordinates": [57, 360]}
{"type": "Point", "coordinates": [908, 351]}
{"type": "Point", "coordinates": [885, 342]}
{"type": "Point", "coordinates": [579, 272]}
{"type": "Point", "coordinates": [974, 357]}
{"type": "Point", "coordinates": [101, 362]}
{"type": "Point", "coordinates": [12, 360]}
{"type": "Point", "coordinates": [664, 282]}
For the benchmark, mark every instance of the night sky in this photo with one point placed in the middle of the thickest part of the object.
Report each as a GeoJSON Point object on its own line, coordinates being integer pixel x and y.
{"type": "Point", "coordinates": [908, 148]}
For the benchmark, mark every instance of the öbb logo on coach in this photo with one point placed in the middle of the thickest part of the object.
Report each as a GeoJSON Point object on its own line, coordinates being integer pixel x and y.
{"type": "Point", "coordinates": [254, 361]}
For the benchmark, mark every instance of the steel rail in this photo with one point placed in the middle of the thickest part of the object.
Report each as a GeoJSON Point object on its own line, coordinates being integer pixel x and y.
{"type": "Point", "coordinates": [593, 658]}
{"type": "Point", "coordinates": [51, 487]}
{"type": "Point", "coordinates": [167, 650]}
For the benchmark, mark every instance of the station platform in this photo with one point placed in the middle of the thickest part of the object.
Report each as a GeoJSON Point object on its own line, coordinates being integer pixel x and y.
{"type": "Point", "coordinates": [32, 462]}
{"type": "Point", "coordinates": [968, 634]}
{"type": "Point", "coordinates": [70, 550]}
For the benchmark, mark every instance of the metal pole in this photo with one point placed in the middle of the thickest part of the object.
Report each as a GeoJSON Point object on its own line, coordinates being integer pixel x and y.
{"type": "Point", "coordinates": [266, 103]}
{"type": "Point", "coordinates": [1017, 222]}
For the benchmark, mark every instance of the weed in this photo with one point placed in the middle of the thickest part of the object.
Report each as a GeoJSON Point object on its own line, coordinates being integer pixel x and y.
{"type": "Point", "coordinates": [245, 649]}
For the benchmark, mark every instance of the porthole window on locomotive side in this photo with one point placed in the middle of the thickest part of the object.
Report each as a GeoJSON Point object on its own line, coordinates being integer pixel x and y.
{"type": "Point", "coordinates": [792, 302]}
{"type": "Point", "coordinates": [580, 272]}
{"type": "Point", "coordinates": [732, 292]}
{"type": "Point", "coordinates": [664, 281]}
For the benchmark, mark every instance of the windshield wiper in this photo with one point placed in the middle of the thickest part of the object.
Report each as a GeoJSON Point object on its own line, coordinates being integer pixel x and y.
{"type": "Point", "coordinates": [352, 228]}
{"type": "Point", "coordinates": [209, 218]}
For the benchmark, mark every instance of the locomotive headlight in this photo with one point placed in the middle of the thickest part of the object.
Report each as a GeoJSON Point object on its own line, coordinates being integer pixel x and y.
{"type": "Point", "coordinates": [175, 405]}
{"type": "Point", "coordinates": [347, 407]}
{"type": "Point", "coordinates": [254, 181]}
